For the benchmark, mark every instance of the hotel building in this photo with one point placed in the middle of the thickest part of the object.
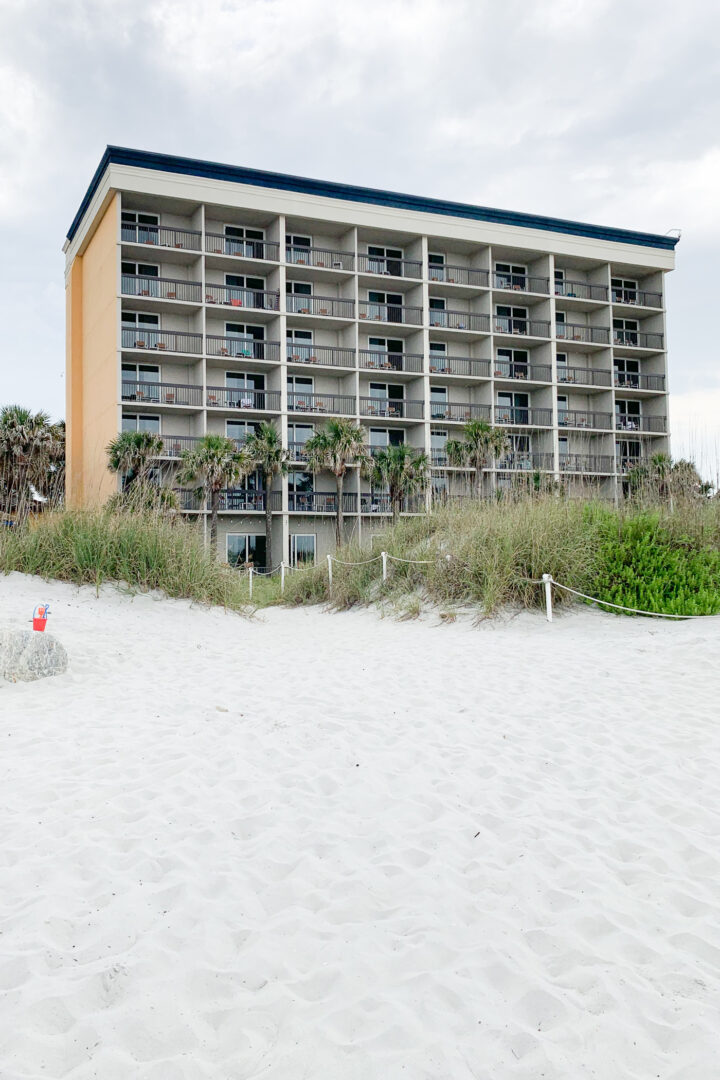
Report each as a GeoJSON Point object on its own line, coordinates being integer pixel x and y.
{"type": "Point", "coordinates": [207, 298]}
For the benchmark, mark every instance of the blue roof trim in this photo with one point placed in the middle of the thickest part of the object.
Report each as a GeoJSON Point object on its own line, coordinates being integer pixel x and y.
{"type": "Point", "coordinates": [212, 170]}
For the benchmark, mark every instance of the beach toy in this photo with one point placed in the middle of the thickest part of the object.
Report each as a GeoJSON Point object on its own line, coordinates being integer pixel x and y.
{"type": "Point", "coordinates": [40, 616]}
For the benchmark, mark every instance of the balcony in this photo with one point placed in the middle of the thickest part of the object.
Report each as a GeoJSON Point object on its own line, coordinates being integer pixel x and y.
{"type": "Point", "coordinates": [506, 369]}
{"type": "Point", "coordinates": [579, 418]}
{"type": "Point", "coordinates": [339, 404]}
{"type": "Point", "coordinates": [243, 501]}
{"type": "Point", "coordinates": [587, 463]}
{"type": "Point", "coordinates": [589, 335]}
{"type": "Point", "coordinates": [390, 361]}
{"type": "Point", "coordinates": [239, 348]}
{"type": "Point", "coordinates": [653, 424]}
{"type": "Point", "coordinates": [459, 320]}
{"type": "Point", "coordinates": [320, 258]}
{"type": "Point", "coordinates": [522, 416]}
{"type": "Point", "coordinates": [235, 297]}
{"type": "Point", "coordinates": [627, 464]}
{"type": "Point", "coordinates": [216, 244]}
{"type": "Point", "coordinates": [391, 407]}
{"type": "Point", "coordinates": [320, 502]}
{"type": "Point", "coordinates": [322, 355]}
{"type": "Point", "coordinates": [458, 275]}
{"type": "Point", "coordinates": [390, 313]}
{"type": "Point", "coordinates": [521, 283]}
{"type": "Point", "coordinates": [459, 365]}
{"type": "Point", "coordinates": [371, 503]}
{"type": "Point", "coordinates": [164, 340]}
{"type": "Point", "coordinates": [388, 266]}
{"type": "Point", "coordinates": [637, 297]}
{"type": "Point", "coordinates": [297, 451]}
{"type": "Point", "coordinates": [223, 397]}
{"type": "Point", "coordinates": [161, 393]}
{"type": "Point", "coordinates": [329, 306]}
{"type": "Point", "coordinates": [158, 288]}
{"type": "Point", "coordinates": [634, 381]}
{"type": "Point", "coordinates": [160, 236]}
{"type": "Point", "coordinates": [583, 376]}
{"type": "Point", "coordinates": [579, 290]}
{"type": "Point", "coordinates": [635, 339]}
{"type": "Point", "coordinates": [175, 445]}
{"type": "Point", "coordinates": [505, 324]}
{"type": "Point", "coordinates": [459, 412]}
{"type": "Point", "coordinates": [189, 500]}
{"type": "Point", "coordinates": [525, 462]}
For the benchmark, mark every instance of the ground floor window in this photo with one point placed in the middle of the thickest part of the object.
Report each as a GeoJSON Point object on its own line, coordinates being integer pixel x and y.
{"type": "Point", "coordinates": [302, 549]}
{"type": "Point", "coordinates": [245, 549]}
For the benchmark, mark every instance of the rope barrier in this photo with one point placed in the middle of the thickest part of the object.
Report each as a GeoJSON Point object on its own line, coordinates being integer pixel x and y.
{"type": "Point", "coordinates": [620, 607]}
{"type": "Point", "coordinates": [365, 562]}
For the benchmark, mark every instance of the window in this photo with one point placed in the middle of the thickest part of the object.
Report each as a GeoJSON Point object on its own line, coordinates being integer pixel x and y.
{"type": "Point", "coordinates": [563, 444]}
{"type": "Point", "coordinates": [385, 307]}
{"type": "Point", "coordinates": [298, 435]}
{"type": "Point", "coordinates": [242, 549]}
{"type": "Point", "coordinates": [624, 290]}
{"type": "Point", "coordinates": [512, 364]}
{"type": "Point", "coordinates": [302, 549]}
{"type": "Point", "coordinates": [131, 422]}
{"type": "Point", "coordinates": [389, 398]}
{"type": "Point", "coordinates": [137, 227]}
{"type": "Point", "coordinates": [301, 491]}
{"type": "Point", "coordinates": [385, 260]}
{"type": "Point", "coordinates": [627, 415]}
{"type": "Point", "coordinates": [559, 282]}
{"type": "Point", "coordinates": [438, 354]}
{"type": "Point", "coordinates": [627, 372]}
{"type": "Point", "coordinates": [245, 340]}
{"type": "Point", "coordinates": [240, 430]}
{"type": "Point", "coordinates": [302, 383]}
{"type": "Point", "coordinates": [437, 311]}
{"type": "Point", "coordinates": [140, 328]}
{"type": "Point", "coordinates": [438, 402]}
{"type": "Point", "coordinates": [386, 437]}
{"type": "Point", "coordinates": [137, 278]}
{"type": "Point", "coordinates": [390, 353]}
{"type": "Point", "coordinates": [436, 267]}
{"type": "Point", "coordinates": [297, 293]}
{"type": "Point", "coordinates": [510, 320]}
{"type": "Point", "coordinates": [439, 484]}
{"type": "Point", "coordinates": [512, 408]}
{"type": "Point", "coordinates": [509, 276]}
{"type": "Point", "coordinates": [299, 345]}
{"type": "Point", "coordinates": [562, 369]}
{"type": "Point", "coordinates": [628, 451]}
{"type": "Point", "coordinates": [297, 249]}
{"type": "Point", "coordinates": [137, 382]}
{"type": "Point", "coordinates": [562, 408]}
{"type": "Point", "coordinates": [245, 390]}
{"type": "Point", "coordinates": [240, 240]}
{"type": "Point", "coordinates": [625, 331]}
{"type": "Point", "coordinates": [244, 291]}
{"type": "Point", "coordinates": [438, 442]}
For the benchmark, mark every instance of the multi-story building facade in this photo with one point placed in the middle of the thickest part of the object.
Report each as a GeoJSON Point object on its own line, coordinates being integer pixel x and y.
{"type": "Point", "coordinates": [206, 298]}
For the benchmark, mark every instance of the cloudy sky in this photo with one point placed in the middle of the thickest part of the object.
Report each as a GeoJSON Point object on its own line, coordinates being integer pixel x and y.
{"type": "Point", "coordinates": [602, 110]}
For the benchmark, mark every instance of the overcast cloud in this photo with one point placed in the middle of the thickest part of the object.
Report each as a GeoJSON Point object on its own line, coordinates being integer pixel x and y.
{"type": "Point", "coordinates": [601, 110]}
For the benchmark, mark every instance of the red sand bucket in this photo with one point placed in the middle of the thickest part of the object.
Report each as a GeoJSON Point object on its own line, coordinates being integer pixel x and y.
{"type": "Point", "coordinates": [40, 616]}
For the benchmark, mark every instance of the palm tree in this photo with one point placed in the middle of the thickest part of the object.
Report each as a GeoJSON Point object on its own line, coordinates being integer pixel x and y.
{"type": "Point", "coordinates": [218, 464]}
{"type": "Point", "coordinates": [264, 451]}
{"type": "Point", "coordinates": [131, 454]}
{"type": "Point", "coordinates": [402, 470]}
{"type": "Point", "coordinates": [336, 447]}
{"type": "Point", "coordinates": [30, 447]}
{"type": "Point", "coordinates": [479, 444]}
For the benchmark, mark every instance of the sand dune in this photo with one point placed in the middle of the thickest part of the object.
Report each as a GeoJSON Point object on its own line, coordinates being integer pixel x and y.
{"type": "Point", "coordinates": [336, 846]}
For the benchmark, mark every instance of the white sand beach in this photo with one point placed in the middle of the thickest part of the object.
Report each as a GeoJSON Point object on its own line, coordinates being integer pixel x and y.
{"type": "Point", "coordinates": [339, 847]}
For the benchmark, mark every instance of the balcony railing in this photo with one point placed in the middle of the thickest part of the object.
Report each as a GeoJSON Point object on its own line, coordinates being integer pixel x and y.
{"type": "Point", "coordinates": [459, 320]}
{"type": "Point", "coordinates": [636, 297]}
{"type": "Point", "coordinates": [506, 369]}
{"type": "Point", "coordinates": [528, 462]}
{"type": "Point", "coordinates": [390, 361]}
{"type": "Point", "coordinates": [174, 445]}
{"type": "Point", "coordinates": [522, 415]}
{"type": "Point", "coordinates": [323, 355]}
{"type": "Point", "coordinates": [342, 404]}
{"type": "Point", "coordinates": [635, 339]}
{"type": "Point", "coordinates": [160, 236]}
{"type": "Point", "coordinates": [391, 407]}
{"type": "Point", "coordinates": [459, 365]}
{"type": "Point", "coordinates": [159, 288]}
{"type": "Point", "coordinates": [587, 463]}
{"type": "Point", "coordinates": [297, 304]}
{"type": "Point", "coordinates": [234, 296]}
{"type": "Point", "coordinates": [631, 380]}
{"type": "Point", "coordinates": [323, 258]}
{"type": "Point", "coordinates": [242, 348]}
{"type": "Point", "coordinates": [161, 393]}
{"type": "Point", "coordinates": [371, 503]}
{"type": "Point", "coordinates": [136, 337]}
{"type": "Point", "coordinates": [297, 451]}
{"type": "Point", "coordinates": [389, 267]}
{"type": "Point", "coordinates": [627, 464]}
{"type": "Point", "coordinates": [505, 324]}
{"type": "Point", "coordinates": [458, 275]}
{"type": "Point", "coordinates": [392, 313]}
{"type": "Point", "coordinates": [320, 502]}
{"type": "Point", "coordinates": [591, 335]}
{"type": "Point", "coordinates": [630, 422]}
{"type": "Point", "coordinates": [580, 418]}
{"type": "Point", "coordinates": [243, 501]}
{"type": "Point", "coordinates": [189, 500]}
{"type": "Point", "coordinates": [458, 411]}
{"type": "Point", "coordinates": [223, 397]}
{"type": "Point", "coordinates": [581, 291]}
{"type": "Point", "coordinates": [521, 283]}
{"type": "Point", "coordinates": [583, 376]}
{"type": "Point", "coordinates": [215, 244]}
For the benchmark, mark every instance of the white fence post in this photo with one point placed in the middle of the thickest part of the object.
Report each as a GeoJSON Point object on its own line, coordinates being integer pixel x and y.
{"type": "Point", "coordinates": [329, 559]}
{"type": "Point", "coordinates": [547, 579]}
{"type": "Point", "coordinates": [282, 578]}
{"type": "Point", "coordinates": [250, 574]}
{"type": "Point", "coordinates": [384, 560]}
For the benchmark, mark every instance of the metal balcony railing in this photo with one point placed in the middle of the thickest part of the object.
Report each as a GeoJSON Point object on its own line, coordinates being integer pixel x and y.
{"type": "Point", "coordinates": [626, 464]}
{"type": "Point", "coordinates": [298, 304]}
{"type": "Point", "coordinates": [189, 500]}
{"type": "Point", "coordinates": [322, 258]}
{"type": "Point", "coordinates": [581, 291]}
{"type": "Point", "coordinates": [389, 267]}
{"type": "Point", "coordinates": [174, 445]}
{"type": "Point", "coordinates": [522, 415]}
{"type": "Point", "coordinates": [320, 502]}
{"type": "Point", "coordinates": [636, 297]}
{"type": "Point", "coordinates": [459, 320]}
{"type": "Point", "coordinates": [392, 313]}
{"type": "Point", "coordinates": [391, 407]}
{"type": "Point", "coordinates": [342, 404]}
{"type": "Point", "coordinates": [224, 397]}
{"type": "Point", "coordinates": [630, 422]}
{"type": "Point", "coordinates": [631, 380]}
{"type": "Point", "coordinates": [521, 282]}
{"type": "Point", "coordinates": [506, 369]}
{"type": "Point", "coordinates": [591, 335]}
{"type": "Point", "coordinates": [586, 463]}
{"type": "Point", "coordinates": [506, 324]}
{"type": "Point", "coordinates": [390, 361]}
{"type": "Point", "coordinates": [458, 411]}
{"type": "Point", "coordinates": [160, 236]}
{"type": "Point", "coordinates": [216, 244]}
{"type": "Point", "coordinates": [159, 288]}
{"type": "Point", "coordinates": [243, 501]}
{"type": "Point", "coordinates": [583, 376]}
{"type": "Point", "coordinates": [323, 355]}
{"type": "Point", "coordinates": [458, 275]}
{"type": "Point", "coordinates": [236, 297]}
{"type": "Point", "coordinates": [297, 451]}
{"type": "Point", "coordinates": [380, 503]}
{"type": "Point", "coordinates": [525, 461]}
{"type": "Point", "coordinates": [580, 418]}
{"type": "Point", "coordinates": [459, 365]}
{"type": "Point", "coordinates": [161, 393]}
{"type": "Point", "coordinates": [242, 348]}
{"type": "Point", "coordinates": [636, 339]}
{"type": "Point", "coordinates": [164, 340]}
